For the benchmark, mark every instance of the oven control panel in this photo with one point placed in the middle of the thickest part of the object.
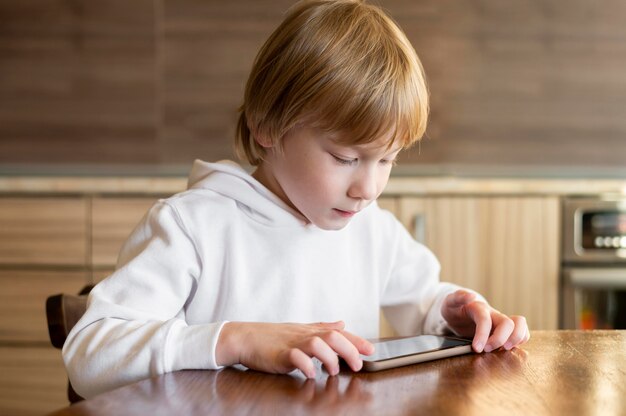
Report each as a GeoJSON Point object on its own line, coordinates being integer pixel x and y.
{"type": "Point", "coordinates": [602, 229]}
{"type": "Point", "coordinates": [608, 242]}
{"type": "Point", "coordinates": [594, 229]}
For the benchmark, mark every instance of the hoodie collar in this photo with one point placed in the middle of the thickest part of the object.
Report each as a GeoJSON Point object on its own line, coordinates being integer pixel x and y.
{"type": "Point", "coordinates": [229, 179]}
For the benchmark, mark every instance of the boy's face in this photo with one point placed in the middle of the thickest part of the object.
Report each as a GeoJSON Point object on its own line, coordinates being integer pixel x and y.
{"type": "Point", "coordinates": [327, 182]}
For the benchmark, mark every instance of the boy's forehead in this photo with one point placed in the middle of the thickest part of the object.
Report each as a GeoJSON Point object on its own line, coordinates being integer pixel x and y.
{"type": "Point", "coordinates": [384, 142]}
{"type": "Point", "coordinates": [385, 137]}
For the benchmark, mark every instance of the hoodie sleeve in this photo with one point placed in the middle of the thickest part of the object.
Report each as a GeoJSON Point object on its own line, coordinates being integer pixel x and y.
{"type": "Point", "coordinates": [413, 295]}
{"type": "Point", "coordinates": [134, 326]}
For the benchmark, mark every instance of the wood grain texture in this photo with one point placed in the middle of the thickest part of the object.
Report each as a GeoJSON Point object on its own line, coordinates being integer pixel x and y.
{"type": "Point", "coordinates": [207, 50]}
{"type": "Point", "coordinates": [77, 81]}
{"type": "Point", "coordinates": [113, 219]}
{"type": "Point", "coordinates": [159, 81]}
{"type": "Point", "coordinates": [32, 380]}
{"type": "Point", "coordinates": [557, 372]}
{"type": "Point", "coordinates": [523, 272]}
{"type": "Point", "coordinates": [43, 231]}
{"type": "Point", "coordinates": [23, 301]}
{"type": "Point", "coordinates": [391, 205]}
{"type": "Point", "coordinates": [101, 274]}
{"type": "Point", "coordinates": [506, 248]}
{"type": "Point", "coordinates": [523, 83]}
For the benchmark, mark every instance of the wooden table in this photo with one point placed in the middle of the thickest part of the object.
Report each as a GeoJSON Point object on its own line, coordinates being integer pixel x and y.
{"type": "Point", "coordinates": [556, 373]}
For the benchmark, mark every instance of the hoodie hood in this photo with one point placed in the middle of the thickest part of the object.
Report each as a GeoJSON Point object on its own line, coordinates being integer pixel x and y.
{"type": "Point", "coordinates": [230, 180]}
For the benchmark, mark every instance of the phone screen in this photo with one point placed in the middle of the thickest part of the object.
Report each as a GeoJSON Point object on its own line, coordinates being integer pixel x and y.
{"type": "Point", "coordinates": [415, 345]}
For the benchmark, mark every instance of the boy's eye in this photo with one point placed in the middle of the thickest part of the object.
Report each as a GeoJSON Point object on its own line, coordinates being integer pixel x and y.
{"type": "Point", "coordinates": [391, 162]}
{"type": "Point", "coordinates": [344, 161]}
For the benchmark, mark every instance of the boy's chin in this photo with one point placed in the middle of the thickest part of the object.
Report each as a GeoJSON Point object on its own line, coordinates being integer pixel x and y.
{"type": "Point", "coordinates": [331, 225]}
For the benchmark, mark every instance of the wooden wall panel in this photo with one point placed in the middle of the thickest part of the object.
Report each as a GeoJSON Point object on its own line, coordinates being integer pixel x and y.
{"type": "Point", "coordinates": [159, 81]}
{"type": "Point", "coordinates": [207, 50]}
{"type": "Point", "coordinates": [43, 231]}
{"type": "Point", "coordinates": [524, 83]}
{"type": "Point", "coordinates": [77, 81]}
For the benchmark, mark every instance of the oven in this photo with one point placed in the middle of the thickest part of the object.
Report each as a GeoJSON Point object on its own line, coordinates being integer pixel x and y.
{"type": "Point", "coordinates": [593, 273]}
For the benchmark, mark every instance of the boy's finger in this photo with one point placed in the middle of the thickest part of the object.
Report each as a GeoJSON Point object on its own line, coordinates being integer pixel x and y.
{"type": "Point", "coordinates": [362, 345]}
{"type": "Point", "coordinates": [318, 348]}
{"type": "Point", "coordinates": [519, 333]}
{"type": "Point", "coordinates": [480, 315]}
{"type": "Point", "coordinates": [344, 348]}
{"type": "Point", "coordinates": [503, 328]}
{"type": "Point", "coordinates": [295, 358]}
{"type": "Point", "coordinates": [527, 336]}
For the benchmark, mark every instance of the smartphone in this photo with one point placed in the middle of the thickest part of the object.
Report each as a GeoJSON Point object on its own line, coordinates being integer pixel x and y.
{"type": "Point", "coordinates": [411, 350]}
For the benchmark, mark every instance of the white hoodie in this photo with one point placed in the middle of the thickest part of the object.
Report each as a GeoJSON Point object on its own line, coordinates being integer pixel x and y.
{"type": "Point", "coordinates": [228, 249]}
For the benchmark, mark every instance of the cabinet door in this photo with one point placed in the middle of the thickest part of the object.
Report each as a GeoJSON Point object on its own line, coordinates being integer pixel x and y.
{"type": "Point", "coordinates": [506, 248]}
{"type": "Point", "coordinates": [113, 219]}
{"type": "Point", "coordinates": [524, 262]}
{"type": "Point", "coordinates": [32, 380]}
{"type": "Point", "coordinates": [43, 231]}
{"type": "Point", "coordinates": [390, 204]}
{"type": "Point", "coordinates": [23, 301]}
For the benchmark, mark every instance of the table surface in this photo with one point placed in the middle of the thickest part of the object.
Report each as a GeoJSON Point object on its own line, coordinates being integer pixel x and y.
{"type": "Point", "coordinates": [555, 373]}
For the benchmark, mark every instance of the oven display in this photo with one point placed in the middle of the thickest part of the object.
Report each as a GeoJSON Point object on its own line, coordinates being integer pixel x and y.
{"type": "Point", "coordinates": [604, 230]}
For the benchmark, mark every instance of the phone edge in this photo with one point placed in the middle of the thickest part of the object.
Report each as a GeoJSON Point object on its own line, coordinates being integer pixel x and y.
{"type": "Point", "coordinates": [416, 358]}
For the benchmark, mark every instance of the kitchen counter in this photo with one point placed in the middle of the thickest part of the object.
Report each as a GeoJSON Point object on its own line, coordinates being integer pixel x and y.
{"type": "Point", "coordinates": [406, 180]}
{"type": "Point", "coordinates": [398, 185]}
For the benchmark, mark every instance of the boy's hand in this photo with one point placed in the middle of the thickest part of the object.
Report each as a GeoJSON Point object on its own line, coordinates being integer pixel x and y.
{"type": "Point", "coordinates": [490, 328]}
{"type": "Point", "coordinates": [282, 348]}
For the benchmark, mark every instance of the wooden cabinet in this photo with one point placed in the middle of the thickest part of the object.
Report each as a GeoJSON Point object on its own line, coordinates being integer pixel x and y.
{"type": "Point", "coordinates": [43, 251]}
{"type": "Point", "coordinates": [506, 248]}
{"type": "Point", "coordinates": [50, 245]}
{"type": "Point", "coordinates": [32, 380]}
{"type": "Point", "coordinates": [32, 375]}
{"type": "Point", "coordinates": [43, 231]}
{"type": "Point", "coordinates": [112, 221]}
{"type": "Point", "coordinates": [23, 301]}
{"type": "Point", "coordinates": [390, 204]}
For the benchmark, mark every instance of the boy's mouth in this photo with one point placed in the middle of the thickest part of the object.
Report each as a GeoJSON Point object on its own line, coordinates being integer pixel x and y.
{"type": "Point", "coordinates": [345, 214]}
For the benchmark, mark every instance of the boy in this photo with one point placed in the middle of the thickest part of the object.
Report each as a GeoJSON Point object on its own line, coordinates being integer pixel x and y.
{"type": "Point", "coordinates": [234, 269]}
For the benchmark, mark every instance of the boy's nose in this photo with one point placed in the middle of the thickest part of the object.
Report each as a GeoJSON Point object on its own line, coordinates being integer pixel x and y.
{"type": "Point", "coordinates": [364, 186]}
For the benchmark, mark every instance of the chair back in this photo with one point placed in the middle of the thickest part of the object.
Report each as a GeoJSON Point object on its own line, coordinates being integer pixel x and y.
{"type": "Point", "coordinates": [63, 311]}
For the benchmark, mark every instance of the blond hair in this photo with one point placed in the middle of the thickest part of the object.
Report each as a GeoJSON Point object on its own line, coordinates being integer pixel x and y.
{"type": "Point", "coordinates": [343, 66]}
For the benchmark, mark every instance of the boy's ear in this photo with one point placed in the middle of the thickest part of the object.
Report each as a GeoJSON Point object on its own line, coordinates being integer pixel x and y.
{"type": "Point", "coordinates": [263, 140]}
